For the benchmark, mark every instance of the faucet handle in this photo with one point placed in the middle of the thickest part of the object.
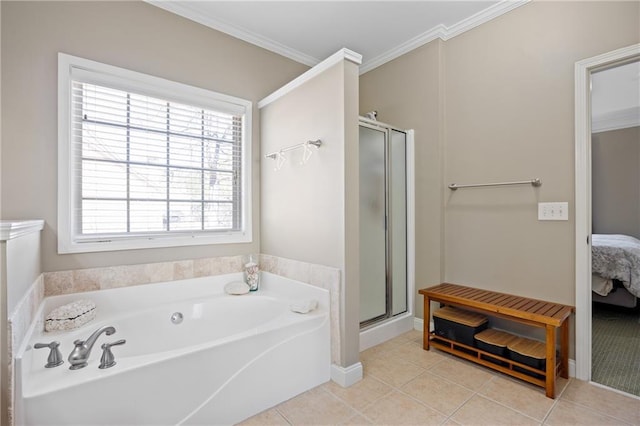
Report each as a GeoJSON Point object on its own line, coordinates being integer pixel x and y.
{"type": "Point", "coordinates": [108, 360]}
{"type": "Point", "coordinates": [55, 356]}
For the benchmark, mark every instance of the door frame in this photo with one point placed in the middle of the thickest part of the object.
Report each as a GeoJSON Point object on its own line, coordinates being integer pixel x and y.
{"type": "Point", "coordinates": [583, 70]}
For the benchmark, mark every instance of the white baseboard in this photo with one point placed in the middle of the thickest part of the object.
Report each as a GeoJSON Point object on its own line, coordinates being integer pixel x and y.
{"type": "Point", "coordinates": [418, 324]}
{"type": "Point", "coordinates": [385, 331]}
{"type": "Point", "coordinates": [572, 367]}
{"type": "Point", "coordinates": [347, 376]}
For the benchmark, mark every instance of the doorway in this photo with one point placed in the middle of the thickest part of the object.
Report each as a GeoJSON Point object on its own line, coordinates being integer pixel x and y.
{"type": "Point", "coordinates": [584, 71]}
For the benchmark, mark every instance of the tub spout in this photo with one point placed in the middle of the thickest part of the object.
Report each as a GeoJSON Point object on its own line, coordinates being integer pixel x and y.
{"type": "Point", "coordinates": [80, 353]}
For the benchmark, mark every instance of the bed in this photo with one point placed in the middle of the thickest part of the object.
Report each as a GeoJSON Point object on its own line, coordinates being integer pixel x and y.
{"type": "Point", "coordinates": [615, 261]}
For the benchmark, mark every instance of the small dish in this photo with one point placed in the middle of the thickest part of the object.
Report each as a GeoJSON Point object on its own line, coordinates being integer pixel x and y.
{"type": "Point", "coordinates": [236, 288]}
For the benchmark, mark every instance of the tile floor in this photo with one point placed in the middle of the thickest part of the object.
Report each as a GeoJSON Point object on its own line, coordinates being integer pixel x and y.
{"type": "Point", "coordinates": [403, 384]}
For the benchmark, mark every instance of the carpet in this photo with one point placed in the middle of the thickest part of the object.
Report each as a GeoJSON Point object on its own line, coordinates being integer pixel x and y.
{"type": "Point", "coordinates": [616, 347]}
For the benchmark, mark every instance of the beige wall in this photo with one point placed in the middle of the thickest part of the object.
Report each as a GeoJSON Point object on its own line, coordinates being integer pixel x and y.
{"type": "Point", "coordinates": [615, 182]}
{"type": "Point", "coordinates": [406, 93]}
{"type": "Point", "coordinates": [132, 35]}
{"type": "Point", "coordinates": [302, 214]}
{"type": "Point", "coordinates": [509, 116]}
{"type": "Point", "coordinates": [306, 208]}
{"type": "Point", "coordinates": [497, 104]}
{"type": "Point", "coordinates": [350, 343]}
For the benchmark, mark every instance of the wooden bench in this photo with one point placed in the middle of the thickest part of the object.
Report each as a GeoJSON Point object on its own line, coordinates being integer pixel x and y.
{"type": "Point", "coordinates": [537, 313]}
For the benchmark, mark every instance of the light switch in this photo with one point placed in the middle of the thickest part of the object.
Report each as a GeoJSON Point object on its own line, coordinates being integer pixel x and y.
{"type": "Point", "coordinates": [553, 211]}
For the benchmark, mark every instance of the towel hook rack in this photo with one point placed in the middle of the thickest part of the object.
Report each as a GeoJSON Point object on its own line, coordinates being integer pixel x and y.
{"type": "Point", "coordinates": [274, 155]}
{"type": "Point", "coordinates": [280, 158]}
{"type": "Point", "coordinates": [532, 182]}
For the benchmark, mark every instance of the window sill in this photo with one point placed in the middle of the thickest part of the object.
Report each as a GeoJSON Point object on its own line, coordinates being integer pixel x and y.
{"type": "Point", "coordinates": [66, 247]}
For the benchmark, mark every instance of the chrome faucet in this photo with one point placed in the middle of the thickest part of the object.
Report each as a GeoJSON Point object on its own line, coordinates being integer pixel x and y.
{"type": "Point", "coordinates": [80, 353]}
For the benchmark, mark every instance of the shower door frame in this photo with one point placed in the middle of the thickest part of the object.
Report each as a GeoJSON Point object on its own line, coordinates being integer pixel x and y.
{"type": "Point", "coordinates": [387, 129]}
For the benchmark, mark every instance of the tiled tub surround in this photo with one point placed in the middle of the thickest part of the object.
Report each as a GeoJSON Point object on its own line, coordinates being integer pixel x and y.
{"type": "Point", "coordinates": [20, 263]}
{"type": "Point", "coordinates": [268, 352]}
{"type": "Point", "coordinates": [81, 280]}
{"type": "Point", "coordinates": [17, 325]}
{"type": "Point", "coordinates": [317, 275]}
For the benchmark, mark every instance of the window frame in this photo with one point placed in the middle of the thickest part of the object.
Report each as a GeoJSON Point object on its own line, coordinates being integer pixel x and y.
{"type": "Point", "coordinates": [69, 190]}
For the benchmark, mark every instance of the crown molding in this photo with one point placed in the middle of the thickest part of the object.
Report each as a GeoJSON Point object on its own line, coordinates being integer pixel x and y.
{"type": "Point", "coordinates": [341, 55]}
{"type": "Point", "coordinates": [10, 229]}
{"type": "Point", "coordinates": [436, 32]}
{"type": "Point", "coordinates": [443, 32]}
{"type": "Point", "coordinates": [615, 120]}
{"type": "Point", "coordinates": [440, 31]}
{"type": "Point", "coordinates": [250, 37]}
{"type": "Point", "coordinates": [483, 16]}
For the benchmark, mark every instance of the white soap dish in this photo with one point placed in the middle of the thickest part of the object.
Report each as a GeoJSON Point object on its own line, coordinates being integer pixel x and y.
{"type": "Point", "coordinates": [236, 288]}
{"type": "Point", "coordinates": [304, 306]}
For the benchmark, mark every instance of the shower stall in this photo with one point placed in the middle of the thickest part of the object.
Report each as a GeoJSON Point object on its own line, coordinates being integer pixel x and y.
{"type": "Point", "coordinates": [386, 245]}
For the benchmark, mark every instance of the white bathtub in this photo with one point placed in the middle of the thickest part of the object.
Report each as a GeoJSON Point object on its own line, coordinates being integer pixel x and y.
{"type": "Point", "coordinates": [230, 358]}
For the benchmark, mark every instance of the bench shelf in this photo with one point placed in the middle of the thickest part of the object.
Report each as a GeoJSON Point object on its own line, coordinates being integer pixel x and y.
{"type": "Point", "coordinates": [537, 313]}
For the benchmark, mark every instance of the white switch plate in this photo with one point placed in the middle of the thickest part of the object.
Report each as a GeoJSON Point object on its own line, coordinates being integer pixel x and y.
{"type": "Point", "coordinates": [553, 211]}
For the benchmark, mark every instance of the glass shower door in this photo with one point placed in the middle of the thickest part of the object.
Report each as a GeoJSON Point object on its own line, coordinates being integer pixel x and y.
{"type": "Point", "coordinates": [373, 216]}
{"type": "Point", "coordinates": [397, 198]}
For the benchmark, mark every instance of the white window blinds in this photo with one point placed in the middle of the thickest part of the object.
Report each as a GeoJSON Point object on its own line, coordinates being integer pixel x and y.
{"type": "Point", "coordinates": [148, 166]}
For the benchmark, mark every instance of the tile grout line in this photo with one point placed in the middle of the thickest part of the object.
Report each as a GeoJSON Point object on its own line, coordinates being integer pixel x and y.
{"type": "Point", "coordinates": [553, 406]}
{"type": "Point", "coordinates": [474, 393]}
{"type": "Point", "coordinates": [283, 416]}
{"type": "Point", "coordinates": [514, 380]}
{"type": "Point", "coordinates": [556, 401]}
{"type": "Point", "coordinates": [428, 370]}
{"type": "Point", "coordinates": [357, 411]}
{"type": "Point", "coordinates": [459, 384]}
{"type": "Point", "coordinates": [422, 403]}
{"type": "Point", "coordinates": [399, 388]}
{"type": "Point", "coordinates": [432, 370]}
{"type": "Point", "coordinates": [597, 411]}
{"type": "Point", "coordinates": [361, 411]}
{"type": "Point", "coordinates": [479, 394]}
{"type": "Point", "coordinates": [488, 398]}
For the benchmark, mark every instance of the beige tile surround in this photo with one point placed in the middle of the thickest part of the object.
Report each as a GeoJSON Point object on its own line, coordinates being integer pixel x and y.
{"type": "Point", "coordinates": [18, 323]}
{"type": "Point", "coordinates": [317, 275]}
{"type": "Point", "coordinates": [404, 384]}
{"type": "Point", "coordinates": [81, 280]}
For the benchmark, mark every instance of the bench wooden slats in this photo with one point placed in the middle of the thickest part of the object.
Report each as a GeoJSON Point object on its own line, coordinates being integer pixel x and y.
{"type": "Point", "coordinates": [501, 300]}
{"type": "Point", "coordinates": [502, 303]}
{"type": "Point", "coordinates": [507, 301]}
{"type": "Point", "coordinates": [534, 312]}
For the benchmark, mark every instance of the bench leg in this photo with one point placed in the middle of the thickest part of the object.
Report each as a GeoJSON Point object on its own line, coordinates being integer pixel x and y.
{"type": "Point", "coordinates": [550, 382]}
{"type": "Point", "coordinates": [425, 327]}
{"type": "Point", "coordinates": [564, 349]}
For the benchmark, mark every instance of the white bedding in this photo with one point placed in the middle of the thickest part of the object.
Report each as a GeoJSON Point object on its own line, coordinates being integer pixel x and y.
{"type": "Point", "coordinates": [615, 256]}
{"type": "Point", "coordinates": [601, 286]}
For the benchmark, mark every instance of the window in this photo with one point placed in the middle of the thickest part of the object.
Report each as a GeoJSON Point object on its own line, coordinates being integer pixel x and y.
{"type": "Point", "coordinates": [146, 162]}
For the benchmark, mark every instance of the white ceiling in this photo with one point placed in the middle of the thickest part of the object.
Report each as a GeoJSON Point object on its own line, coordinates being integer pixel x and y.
{"type": "Point", "coordinates": [310, 31]}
